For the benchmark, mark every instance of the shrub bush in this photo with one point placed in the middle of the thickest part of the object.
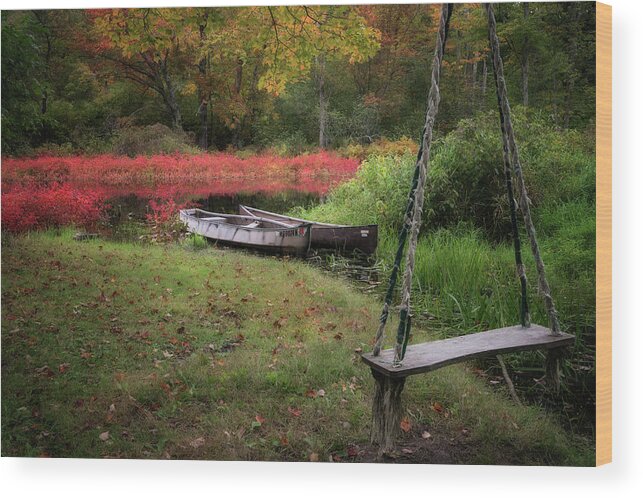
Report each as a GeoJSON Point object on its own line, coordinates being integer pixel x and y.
{"type": "Point", "coordinates": [163, 219]}
{"type": "Point", "coordinates": [380, 147]}
{"type": "Point", "coordinates": [466, 177]}
{"type": "Point", "coordinates": [30, 207]}
{"type": "Point", "coordinates": [154, 139]}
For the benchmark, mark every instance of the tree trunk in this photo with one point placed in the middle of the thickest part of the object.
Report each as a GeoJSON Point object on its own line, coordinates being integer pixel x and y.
{"type": "Point", "coordinates": [43, 102]}
{"type": "Point", "coordinates": [323, 102]}
{"type": "Point", "coordinates": [203, 121]}
{"type": "Point", "coordinates": [524, 63]}
{"type": "Point", "coordinates": [573, 52]}
{"type": "Point", "coordinates": [238, 120]}
{"type": "Point", "coordinates": [173, 107]}
{"type": "Point", "coordinates": [484, 76]}
{"type": "Point", "coordinates": [202, 95]}
{"type": "Point", "coordinates": [474, 84]}
{"type": "Point", "coordinates": [169, 96]}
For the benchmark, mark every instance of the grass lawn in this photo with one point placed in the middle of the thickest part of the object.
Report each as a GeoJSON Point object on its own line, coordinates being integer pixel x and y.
{"type": "Point", "coordinates": [136, 351]}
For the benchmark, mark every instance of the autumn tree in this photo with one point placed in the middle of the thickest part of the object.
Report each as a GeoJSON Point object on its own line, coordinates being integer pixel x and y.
{"type": "Point", "coordinates": [289, 43]}
{"type": "Point", "coordinates": [293, 76]}
{"type": "Point", "coordinates": [385, 81]}
{"type": "Point", "coordinates": [153, 47]}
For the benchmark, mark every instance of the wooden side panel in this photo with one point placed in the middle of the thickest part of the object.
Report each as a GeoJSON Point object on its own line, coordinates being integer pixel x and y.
{"type": "Point", "coordinates": [603, 233]}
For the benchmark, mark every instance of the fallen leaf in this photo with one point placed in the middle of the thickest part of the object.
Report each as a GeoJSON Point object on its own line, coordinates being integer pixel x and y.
{"type": "Point", "coordinates": [63, 367]}
{"type": "Point", "coordinates": [294, 411]}
{"type": "Point", "coordinates": [310, 311]}
{"type": "Point", "coordinates": [313, 457]}
{"type": "Point", "coordinates": [104, 436]}
{"type": "Point", "coordinates": [437, 407]}
{"type": "Point", "coordinates": [405, 424]}
{"type": "Point", "coordinates": [352, 451]}
{"type": "Point", "coordinates": [426, 435]}
{"type": "Point", "coordinates": [311, 393]}
{"type": "Point", "coordinates": [260, 419]}
{"type": "Point", "coordinates": [407, 451]}
{"type": "Point", "coordinates": [321, 393]}
{"type": "Point", "coordinates": [45, 371]}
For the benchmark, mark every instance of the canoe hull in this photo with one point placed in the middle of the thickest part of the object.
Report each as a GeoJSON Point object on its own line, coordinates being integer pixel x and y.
{"type": "Point", "coordinates": [283, 240]}
{"type": "Point", "coordinates": [344, 238]}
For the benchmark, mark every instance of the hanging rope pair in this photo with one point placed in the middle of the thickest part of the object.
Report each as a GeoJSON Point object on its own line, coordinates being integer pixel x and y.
{"type": "Point", "coordinates": [413, 213]}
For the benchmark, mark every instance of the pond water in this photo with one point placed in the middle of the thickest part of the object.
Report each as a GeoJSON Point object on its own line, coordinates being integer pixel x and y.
{"type": "Point", "coordinates": [135, 206]}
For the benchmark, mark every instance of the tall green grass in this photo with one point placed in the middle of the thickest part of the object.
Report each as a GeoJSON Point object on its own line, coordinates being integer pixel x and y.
{"type": "Point", "coordinates": [464, 283]}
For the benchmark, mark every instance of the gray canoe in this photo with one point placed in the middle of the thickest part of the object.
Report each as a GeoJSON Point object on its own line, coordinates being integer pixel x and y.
{"type": "Point", "coordinates": [344, 238]}
{"type": "Point", "coordinates": [249, 231]}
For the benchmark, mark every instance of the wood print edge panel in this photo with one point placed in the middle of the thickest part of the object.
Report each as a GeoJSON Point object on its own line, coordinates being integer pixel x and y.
{"type": "Point", "coordinates": [603, 233]}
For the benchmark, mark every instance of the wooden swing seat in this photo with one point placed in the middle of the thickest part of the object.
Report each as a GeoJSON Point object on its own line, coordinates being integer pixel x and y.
{"type": "Point", "coordinates": [429, 356]}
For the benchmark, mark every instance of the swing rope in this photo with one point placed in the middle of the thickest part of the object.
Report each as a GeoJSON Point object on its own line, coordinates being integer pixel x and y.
{"type": "Point", "coordinates": [413, 214]}
{"type": "Point", "coordinates": [509, 140]}
{"type": "Point", "coordinates": [525, 319]}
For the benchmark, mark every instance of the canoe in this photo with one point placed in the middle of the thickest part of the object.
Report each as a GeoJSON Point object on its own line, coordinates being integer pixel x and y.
{"type": "Point", "coordinates": [249, 231]}
{"type": "Point", "coordinates": [345, 238]}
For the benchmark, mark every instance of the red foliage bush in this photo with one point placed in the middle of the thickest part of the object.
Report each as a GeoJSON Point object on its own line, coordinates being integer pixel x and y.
{"type": "Point", "coordinates": [53, 191]}
{"type": "Point", "coordinates": [173, 169]}
{"type": "Point", "coordinates": [27, 207]}
{"type": "Point", "coordinates": [162, 217]}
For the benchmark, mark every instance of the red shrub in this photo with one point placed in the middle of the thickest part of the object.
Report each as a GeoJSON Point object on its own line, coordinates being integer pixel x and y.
{"type": "Point", "coordinates": [26, 207]}
{"type": "Point", "coordinates": [173, 169]}
{"type": "Point", "coordinates": [52, 191]}
{"type": "Point", "coordinates": [163, 218]}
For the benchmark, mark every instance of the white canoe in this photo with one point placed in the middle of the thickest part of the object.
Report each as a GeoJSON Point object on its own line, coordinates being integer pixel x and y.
{"type": "Point", "coordinates": [248, 231]}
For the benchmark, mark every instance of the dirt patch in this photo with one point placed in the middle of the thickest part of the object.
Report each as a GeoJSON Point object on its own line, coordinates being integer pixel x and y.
{"type": "Point", "coordinates": [416, 447]}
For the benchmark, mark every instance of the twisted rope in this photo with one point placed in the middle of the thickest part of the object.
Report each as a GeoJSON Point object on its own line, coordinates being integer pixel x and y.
{"type": "Point", "coordinates": [406, 225]}
{"type": "Point", "coordinates": [509, 142]}
{"type": "Point", "coordinates": [404, 327]}
{"type": "Point", "coordinates": [410, 206]}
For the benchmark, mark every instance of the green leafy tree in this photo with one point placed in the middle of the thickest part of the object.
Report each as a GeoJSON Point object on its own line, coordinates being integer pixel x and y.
{"type": "Point", "coordinates": [22, 80]}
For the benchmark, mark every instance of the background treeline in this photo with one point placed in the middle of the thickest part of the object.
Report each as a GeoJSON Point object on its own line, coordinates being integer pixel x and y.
{"type": "Point", "coordinates": [289, 78]}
